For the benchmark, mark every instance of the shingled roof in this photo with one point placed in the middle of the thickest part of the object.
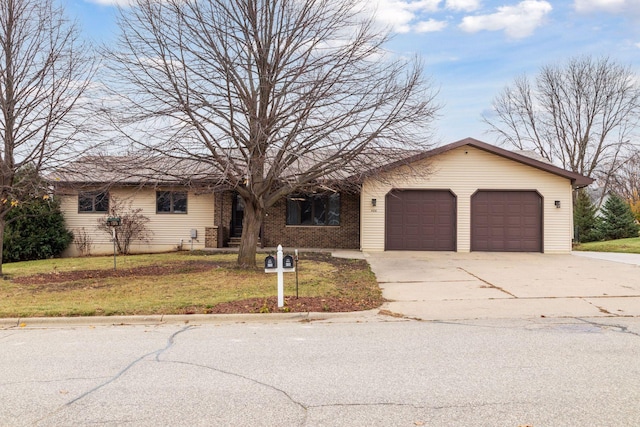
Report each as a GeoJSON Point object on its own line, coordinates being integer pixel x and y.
{"type": "Point", "coordinates": [137, 170]}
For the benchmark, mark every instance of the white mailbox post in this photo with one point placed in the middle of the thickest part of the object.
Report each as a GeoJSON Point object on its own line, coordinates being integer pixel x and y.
{"type": "Point", "coordinates": [114, 222]}
{"type": "Point", "coordinates": [284, 264]}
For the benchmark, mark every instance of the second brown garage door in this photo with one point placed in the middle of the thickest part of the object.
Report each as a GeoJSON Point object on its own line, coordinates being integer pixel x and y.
{"type": "Point", "coordinates": [506, 221]}
{"type": "Point", "coordinates": [420, 220]}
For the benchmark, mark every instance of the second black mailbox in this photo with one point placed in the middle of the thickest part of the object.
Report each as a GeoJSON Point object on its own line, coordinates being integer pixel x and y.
{"type": "Point", "coordinates": [287, 261]}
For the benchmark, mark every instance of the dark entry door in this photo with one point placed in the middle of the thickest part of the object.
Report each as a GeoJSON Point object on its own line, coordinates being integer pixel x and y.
{"type": "Point", "coordinates": [237, 216]}
{"type": "Point", "coordinates": [420, 220]}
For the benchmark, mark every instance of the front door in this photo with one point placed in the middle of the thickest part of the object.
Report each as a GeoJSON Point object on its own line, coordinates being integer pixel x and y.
{"type": "Point", "coordinates": [237, 216]}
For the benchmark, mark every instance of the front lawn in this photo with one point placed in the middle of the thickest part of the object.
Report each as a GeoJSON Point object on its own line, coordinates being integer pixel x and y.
{"type": "Point", "coordinates": [631, 246]}
{"type": "Point", "coordinates": [179, 283]}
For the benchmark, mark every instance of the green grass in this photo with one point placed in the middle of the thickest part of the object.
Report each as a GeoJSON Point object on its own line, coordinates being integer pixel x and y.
{"type": "Point", "coordinates": [184, 283]}
{"type": "Point", "coordinates": [631, 246]}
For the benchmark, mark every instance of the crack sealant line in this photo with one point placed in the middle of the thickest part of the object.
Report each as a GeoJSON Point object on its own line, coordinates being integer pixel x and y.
{"type": "Point", "coordinates": [617, 328]}
{"type": "Point", "coordinates": [488, 283]}
{"type": "Point", "coordinates": [170, 342]}
{"type": "Point", "coordinates": [233, 374]}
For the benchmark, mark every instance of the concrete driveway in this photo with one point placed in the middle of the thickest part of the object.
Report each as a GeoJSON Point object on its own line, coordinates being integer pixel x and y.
{"type": "Point", "coordinates": [448, 285]}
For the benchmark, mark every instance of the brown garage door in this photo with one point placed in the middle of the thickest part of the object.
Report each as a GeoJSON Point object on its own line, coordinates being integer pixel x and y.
{"type": "Point", "coordinates": [506, 221]}
{"type": "Point", "coordinates": [420, 220]}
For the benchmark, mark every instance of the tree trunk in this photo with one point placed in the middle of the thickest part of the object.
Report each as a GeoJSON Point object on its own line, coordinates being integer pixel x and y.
{"type": "Point", "coordinates": [251, 224]}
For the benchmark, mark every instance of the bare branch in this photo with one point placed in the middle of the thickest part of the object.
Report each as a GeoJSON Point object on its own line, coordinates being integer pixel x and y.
{"type": "Point", "coordinates": [276, 96]}
{"type": "Point", "coordinates": [44, 73]}
{"type": "Point", "coordinates": [582, 115]}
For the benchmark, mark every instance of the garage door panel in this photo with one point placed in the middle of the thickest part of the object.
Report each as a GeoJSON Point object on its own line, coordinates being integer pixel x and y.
{"type": "Point", "coordinates": [413, 220]}
{"type": "Point", "coordinates": [506, 221]}
{"type": "Point", "coordinates": [420, 220]}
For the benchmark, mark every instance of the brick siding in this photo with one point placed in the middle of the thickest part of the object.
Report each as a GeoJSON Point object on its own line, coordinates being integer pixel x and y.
{"type": "Point", "coordinates": [211, 237]}
{"type": "Point", "coordinates": [275, 231]}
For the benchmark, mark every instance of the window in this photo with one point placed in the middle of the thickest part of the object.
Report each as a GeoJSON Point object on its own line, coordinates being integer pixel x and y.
{"type": "Point", "coordinates": [93, 202]}
{"type": "Point", "coordinates": [171, 202]}
{"type": "Point", "coordinates": [317, 209]}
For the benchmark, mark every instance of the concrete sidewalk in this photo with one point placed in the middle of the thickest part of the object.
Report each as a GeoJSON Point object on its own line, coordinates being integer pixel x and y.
{"type": "Point", "coordinates": [611, 256]}
{"type": "Point", "coordinates": [477, 285]}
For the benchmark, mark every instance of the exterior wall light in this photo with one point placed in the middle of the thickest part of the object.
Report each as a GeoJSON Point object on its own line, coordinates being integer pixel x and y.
{"type": "Point", "coordinates": [374, 202]}
{"type": "Point", "coordinates": [557, 203]}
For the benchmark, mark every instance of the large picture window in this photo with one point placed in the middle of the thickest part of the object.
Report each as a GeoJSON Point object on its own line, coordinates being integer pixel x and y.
{"type": "Point", "coordinates": [171, 202]}
{"type": "Point", "coordinates": [317, 209]}
{"type": "Point", "coordinates": [97, 201]}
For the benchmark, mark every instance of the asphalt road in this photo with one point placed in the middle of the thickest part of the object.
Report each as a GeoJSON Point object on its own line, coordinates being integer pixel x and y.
{"type": "Point", "coordinates": [381, 372]}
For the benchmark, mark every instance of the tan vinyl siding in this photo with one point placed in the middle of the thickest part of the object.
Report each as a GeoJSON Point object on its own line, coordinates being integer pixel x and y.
{"type": "Point", "coordinates": [463, 171]}
{"type": "Point", "coordinates": [169, 231]}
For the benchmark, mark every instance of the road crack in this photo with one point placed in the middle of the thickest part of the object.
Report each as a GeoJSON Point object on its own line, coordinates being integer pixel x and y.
{"type": "Point", "coordinates": [113, 378]}
{"type": "Point", "coordinates": [244, 377]}
{"type": "Point", "coordinates": [615, 328]}
{"type": "Point", "coordinates": [170, 342]}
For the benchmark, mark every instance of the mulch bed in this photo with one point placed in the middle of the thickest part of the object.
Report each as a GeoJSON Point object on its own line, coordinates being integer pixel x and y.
{"type": "Point", "coordinates": [294, 305]}
{"type": "Point", "coordinates": [148, 270]}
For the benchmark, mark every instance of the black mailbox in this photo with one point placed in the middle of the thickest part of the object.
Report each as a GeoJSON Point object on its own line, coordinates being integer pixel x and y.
{"type": "Point", "coordinates": [113, 221]}
{"type": "Point", "coordinates": [269, 262]}
{"type": "Point", "coordinates": [287, 261]}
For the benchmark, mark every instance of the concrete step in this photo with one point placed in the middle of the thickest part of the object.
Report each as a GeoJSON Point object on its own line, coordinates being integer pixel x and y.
{"type": "Point", "coordinates": [234, 242]}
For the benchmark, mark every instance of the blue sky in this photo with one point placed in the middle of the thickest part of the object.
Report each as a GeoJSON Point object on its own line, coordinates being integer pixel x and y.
{"type": "Point", "coordinates": [472, 48]}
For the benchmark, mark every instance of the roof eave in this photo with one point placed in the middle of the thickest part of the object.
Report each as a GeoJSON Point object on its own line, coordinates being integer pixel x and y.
{"type": "Point", "coordinates": [577, 180]}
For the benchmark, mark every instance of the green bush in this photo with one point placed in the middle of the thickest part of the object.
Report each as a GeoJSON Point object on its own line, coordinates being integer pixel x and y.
{"type": "Point", "coordinates": [618, 221]}
{"type": "Point", "coordinates": [35, 230]}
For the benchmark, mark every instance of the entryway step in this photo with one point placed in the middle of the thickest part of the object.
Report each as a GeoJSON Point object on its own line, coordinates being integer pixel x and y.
{"type": "Point", "coordinates": [234, 242]}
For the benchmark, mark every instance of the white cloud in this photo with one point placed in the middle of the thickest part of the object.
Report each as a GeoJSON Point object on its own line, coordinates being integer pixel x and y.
{"type": "Point", "coordinates": [399, 14]}
{"type": "Point", "coordinates": [517, 21]}
{"type": "Point", "coordinates": [594, 5]}
{"type": "Point", "coordinates": [463, 5]}
{"type": "Point", "coordinates": [430, 26]}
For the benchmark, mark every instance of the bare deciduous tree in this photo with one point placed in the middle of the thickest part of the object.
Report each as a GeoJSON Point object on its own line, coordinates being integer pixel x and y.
{"type": "Point", "coordinates": [582, 115]}
{"type": "Point", "coordinates": [133, 225]}
{"type": "Point", "coordinates": [626, 180]}
{"type": "Point", "coordinates": [44, 71]}
{"type": "Point", "coordinates": [83, 241]}
{"type": "Point", "coordinates": [275, 95]}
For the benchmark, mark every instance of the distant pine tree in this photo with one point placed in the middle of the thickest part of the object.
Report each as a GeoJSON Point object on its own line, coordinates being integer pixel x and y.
{"type": "Point", "coordinates": [618, 221]}
{"type": "Point", "coordinates": [584, 218]}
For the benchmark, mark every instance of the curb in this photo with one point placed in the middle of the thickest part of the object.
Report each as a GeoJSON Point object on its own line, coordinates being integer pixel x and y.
{"type": "Point", "coordinates": [39, 322]}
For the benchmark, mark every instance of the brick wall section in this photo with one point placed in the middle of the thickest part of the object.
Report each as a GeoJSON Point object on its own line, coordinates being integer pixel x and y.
{"type": "Point", "coordinates": [211, 237]}
{"type": "Point", "coordinates": [345, 236]}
